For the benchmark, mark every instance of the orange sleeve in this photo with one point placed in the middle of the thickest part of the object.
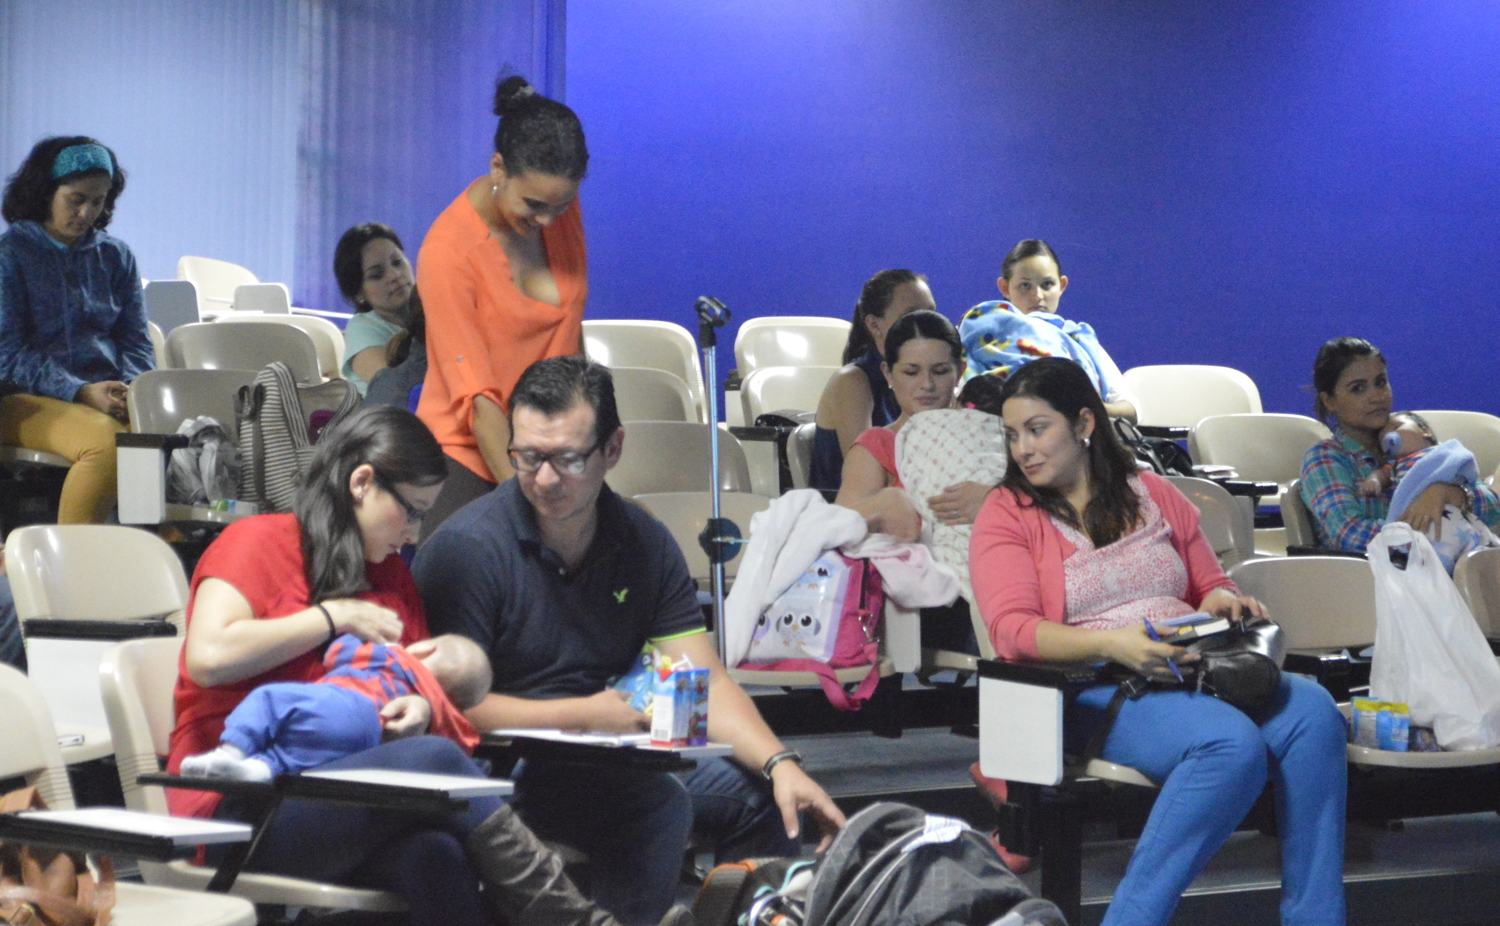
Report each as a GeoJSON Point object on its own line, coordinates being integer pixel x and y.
{"type": "Point", "coordinates": [482, 331]}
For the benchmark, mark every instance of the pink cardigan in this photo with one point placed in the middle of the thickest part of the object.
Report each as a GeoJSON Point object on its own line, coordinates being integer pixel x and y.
{"type": "Point", "coordinates": [1016, 563]}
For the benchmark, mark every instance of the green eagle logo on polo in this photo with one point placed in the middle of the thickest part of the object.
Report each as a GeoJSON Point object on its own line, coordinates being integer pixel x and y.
{"type": "Point", "coordinates": [620, 595]}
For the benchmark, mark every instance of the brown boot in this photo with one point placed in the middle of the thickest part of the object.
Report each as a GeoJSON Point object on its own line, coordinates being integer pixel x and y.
{"type": "Point", "coordinates": [525, 882]}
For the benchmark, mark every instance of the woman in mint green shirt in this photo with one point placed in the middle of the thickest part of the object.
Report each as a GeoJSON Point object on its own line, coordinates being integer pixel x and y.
{"type": "Point", "coordinates": [377, 279]}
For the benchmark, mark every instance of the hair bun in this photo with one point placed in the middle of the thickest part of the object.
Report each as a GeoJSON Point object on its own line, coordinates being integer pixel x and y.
{"type": "Point", "coordinates": [509, 92]}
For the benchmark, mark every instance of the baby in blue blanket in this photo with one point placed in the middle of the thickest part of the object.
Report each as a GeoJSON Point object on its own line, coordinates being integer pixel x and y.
{"type": "Point", "coordinates": [1417, 461]}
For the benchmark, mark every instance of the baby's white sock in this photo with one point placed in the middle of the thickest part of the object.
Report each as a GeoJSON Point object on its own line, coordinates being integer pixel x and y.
{"type": "Point", "coordinates": [226, 762]}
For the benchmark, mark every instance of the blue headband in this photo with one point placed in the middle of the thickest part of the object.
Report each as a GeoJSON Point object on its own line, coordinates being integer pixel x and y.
{"type": "Point", "coordinates": [76, 159]}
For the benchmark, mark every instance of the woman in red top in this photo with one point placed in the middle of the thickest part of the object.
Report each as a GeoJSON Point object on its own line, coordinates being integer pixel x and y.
{"type": "Point", "coordinates": [924, 360]}
{"type": "Point", "coordinates": [1071, 557]}
{"type": "Point", "coordinates": [267, 597]}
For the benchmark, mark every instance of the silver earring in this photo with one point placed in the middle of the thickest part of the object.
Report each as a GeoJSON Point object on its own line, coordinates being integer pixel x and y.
{"type": "Point", "coordinates": [1085, 443]}
{"type": "Point", "coordinates": [494, 189]}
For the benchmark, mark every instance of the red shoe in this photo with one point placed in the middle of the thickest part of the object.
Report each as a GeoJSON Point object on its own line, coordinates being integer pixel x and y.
{"type": "Point", "coordinates": [996, 793]}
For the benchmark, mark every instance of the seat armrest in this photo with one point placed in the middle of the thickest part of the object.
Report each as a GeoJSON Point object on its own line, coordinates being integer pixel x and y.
{"type": "Point", "coordinates": [1248, 488]}
{"type": "Point", "coordinates": [903, 637]}
{"type": "Point", "coordinates": [117, 831]}
{"type": "Point", "coordinates": [1170, 432]}
{"type": "Point", "coordinates": [1021, 717]}
{"type": "Point", "coordinates": [142, 475]}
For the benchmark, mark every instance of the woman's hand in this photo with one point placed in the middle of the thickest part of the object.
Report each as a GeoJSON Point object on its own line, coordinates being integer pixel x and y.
{"type": "Point", "coordinates": [408, 715]}
{"type": "Point", "coordinates": [1133, 648]}
{"type": "Point", "coordinates": [1427, 509]}
{"type": "Point", "coordinates": [107, 397]}
{"type": "Point", "coordinates": [1224, 603]}
{"type": "Point", "coordinates": [890, 511]}
{"type": "Point", "coordinates": [370, 622]}
{"type": "Point", "coordinates": [959, 504]}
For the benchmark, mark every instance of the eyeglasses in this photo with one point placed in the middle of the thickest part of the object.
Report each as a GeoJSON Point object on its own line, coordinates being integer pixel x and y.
{"type": "Point", "coordinates": [414, 515]}
{"type": "Point", "coordinates": [564, 462]}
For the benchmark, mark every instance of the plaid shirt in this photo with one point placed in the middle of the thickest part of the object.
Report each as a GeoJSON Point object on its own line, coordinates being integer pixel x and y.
{"type": "Point", "coordinates": [1347, 521]}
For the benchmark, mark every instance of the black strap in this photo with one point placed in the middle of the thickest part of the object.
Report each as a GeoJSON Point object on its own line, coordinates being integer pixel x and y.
{"type": "Point", "coordinates": [1132, 688]}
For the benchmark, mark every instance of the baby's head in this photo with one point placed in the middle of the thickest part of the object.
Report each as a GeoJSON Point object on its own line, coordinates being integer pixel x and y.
{"type": "Point", "coordinates": [982, 393]}
{"type": "Point", "coordinates": [459, 665]}
{"type": "Point", "coordinates": [1406, 433]}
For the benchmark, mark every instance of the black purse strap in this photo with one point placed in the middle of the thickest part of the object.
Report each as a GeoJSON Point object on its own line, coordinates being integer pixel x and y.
{"type": "Point", "coordinates": [1132, 688]}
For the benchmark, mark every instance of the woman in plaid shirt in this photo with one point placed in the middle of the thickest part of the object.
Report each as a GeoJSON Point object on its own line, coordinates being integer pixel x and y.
{"type": "Point", "coordinates": [1354, 398]}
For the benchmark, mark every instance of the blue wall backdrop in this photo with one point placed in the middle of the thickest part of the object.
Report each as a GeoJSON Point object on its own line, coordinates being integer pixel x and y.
{"type": "Point", "coordinates": [1225, 182]}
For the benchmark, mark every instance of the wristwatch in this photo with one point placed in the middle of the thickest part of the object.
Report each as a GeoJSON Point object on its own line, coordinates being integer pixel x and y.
{"type": "Point", "coordinates": [780, 757]}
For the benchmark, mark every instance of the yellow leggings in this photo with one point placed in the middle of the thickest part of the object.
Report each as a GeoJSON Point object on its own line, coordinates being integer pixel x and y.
{"type": "Point", "coordinates": [79, 433]}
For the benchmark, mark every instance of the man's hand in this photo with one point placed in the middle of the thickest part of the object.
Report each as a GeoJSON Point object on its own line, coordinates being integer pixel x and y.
{"type": "Point", "coordinates": [405, 716]}
{"type": "Point", "coordinates": [610, 712]}
{"type": "Point", "coordinates": [795, 792]}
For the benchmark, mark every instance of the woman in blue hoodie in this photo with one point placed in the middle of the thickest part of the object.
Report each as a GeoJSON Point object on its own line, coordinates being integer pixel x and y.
{"type": "Point", "coordinates": [72, 320]}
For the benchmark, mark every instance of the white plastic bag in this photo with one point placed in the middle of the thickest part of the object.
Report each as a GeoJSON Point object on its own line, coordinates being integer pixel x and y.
{"type": "Point", "coordinates": [1429, 651]}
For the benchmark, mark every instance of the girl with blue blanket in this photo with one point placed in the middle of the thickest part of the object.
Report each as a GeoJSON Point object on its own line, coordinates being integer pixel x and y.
{"type": "Point", "coordinates": [1001, 336]}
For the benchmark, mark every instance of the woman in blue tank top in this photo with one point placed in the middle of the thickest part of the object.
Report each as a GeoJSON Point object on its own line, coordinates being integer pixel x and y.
{"type": "Point", "coordinates": [858, 397]}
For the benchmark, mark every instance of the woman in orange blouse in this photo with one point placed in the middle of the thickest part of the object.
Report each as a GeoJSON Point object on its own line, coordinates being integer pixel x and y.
{"type": "Point", "coordinates": [503, 279]}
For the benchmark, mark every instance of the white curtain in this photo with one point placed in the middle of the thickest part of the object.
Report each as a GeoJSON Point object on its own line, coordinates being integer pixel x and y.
{"type": "Point", "coordinates": [256, 131]}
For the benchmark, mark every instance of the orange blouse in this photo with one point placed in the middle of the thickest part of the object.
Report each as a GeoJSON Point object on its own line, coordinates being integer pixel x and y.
{"type": "Point", "coordinates": [482, 331]}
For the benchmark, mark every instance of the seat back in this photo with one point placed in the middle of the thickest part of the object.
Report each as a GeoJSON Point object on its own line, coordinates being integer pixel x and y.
{"type": "Point", "coordinates": [136, 678]}
{"type": "Point", "coordinates": [170, 303]}
{"type": "Point", "coordinates": [216, 281]}
{"type": "Point", "coordinates": [790, 341]}
{"type": "Point", "coordinates": [1477, 576]}
{"type": "Point", "coordinates": [1229, 526]}
{"type": "Point", "coordinates": [326, 336]}
{"type": "Point", "coordinates": [158, 343]}
{"type": "Point", "coordinates": [644, 394]}
{"type": "Point", "coordinates": [799, 451]}
{"type": "Point", "coordinates": [265, 298]}
{"type": "Point", "coordinates": [93, 572]}
{"type": "Point", "coordinates": [212, 346]}
{"type": "Point", "coordinates": [1260, 447]}
{"type": "Point", "coordinates": [160, 400]}
{"type": "Point", "coordinates": [1300, 530]}
{"type": "Point", "coordinates": [774, 389]}
{"type": "Point", "coordinates": [1181, 395]}
{"type": "Point", "coordinates": [652, 344]}
{"type": "Point", "coordinates": [31, 752]}
{"type": "Point", "coordinates": [1477, 431]}
{"type": "Point", "coordinates": [673, 456]}
{"type": "Point", "coordinates": [686, 514]}
{"type": "Point", "coordinates": [1321, 602]}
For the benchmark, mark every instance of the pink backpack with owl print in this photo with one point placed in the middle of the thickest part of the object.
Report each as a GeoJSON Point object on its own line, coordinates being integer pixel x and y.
{"type": "Point", "coordinates": [829, 619]}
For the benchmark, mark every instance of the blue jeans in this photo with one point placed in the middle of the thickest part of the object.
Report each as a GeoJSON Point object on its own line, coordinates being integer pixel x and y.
{"type": "Point", "coordinates": [419, 856]}
{"type": "Point", "coordinates": [1213, 762]}
{"type": "Point", "coordinates": [634, 826]}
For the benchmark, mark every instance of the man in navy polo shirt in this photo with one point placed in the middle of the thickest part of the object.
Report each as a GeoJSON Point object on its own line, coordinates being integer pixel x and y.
{"type": "Point", "coordinates": [562, 582]}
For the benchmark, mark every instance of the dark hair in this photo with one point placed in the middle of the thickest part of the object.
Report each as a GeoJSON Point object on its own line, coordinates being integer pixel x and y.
{"type": "Point", "coordinates": [923, 323]}
{"type": "Point", "coordinates": [349, 270]}
{"type": "Point", "coordinates": [1031, 247]}
{"type": "Point", "coordinates": [1417, 420]}
{"type": "Point", "coordinates": [1114, 509]}
{"type": "Point", "coordinates": [983, 393]}
{"type": "Point", "coordinates": [1333, 358]}
{"type": "Point", "coordinates": [29, 191]}
{"type": "Point", "coordinates": [553, 386]}
{"type": "Point", "coordinates": [537, 134]}
{"type": "Point", "coordinates": [399, 448]}
{"type": "Point", "coordinates": [874, 299]}
{"type": "Point", "coordinates": [348, 259]}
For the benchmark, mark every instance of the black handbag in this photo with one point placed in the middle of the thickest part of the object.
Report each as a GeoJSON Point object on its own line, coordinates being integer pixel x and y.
{"type": "Point", "coordinates": [1240, 666]}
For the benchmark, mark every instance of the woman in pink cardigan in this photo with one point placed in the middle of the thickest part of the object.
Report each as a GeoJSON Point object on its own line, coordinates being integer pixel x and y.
{"type": "Point", "coordinates": [1070, 559]}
